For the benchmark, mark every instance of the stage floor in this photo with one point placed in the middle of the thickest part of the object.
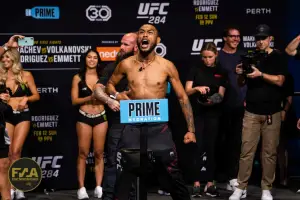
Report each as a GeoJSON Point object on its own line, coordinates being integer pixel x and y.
{"type": "Point", "coordinates": [254, 193]}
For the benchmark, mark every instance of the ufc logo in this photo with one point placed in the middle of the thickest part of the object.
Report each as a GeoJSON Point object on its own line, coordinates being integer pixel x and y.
{"type": "Point", "coordinates": [119, 157]}
{"type": "Point", "coordinates": [150, 8]}
{"type": "Point", "coordinates": [198, 44]}
{"type": "Point", "coordinates": [48, 160]}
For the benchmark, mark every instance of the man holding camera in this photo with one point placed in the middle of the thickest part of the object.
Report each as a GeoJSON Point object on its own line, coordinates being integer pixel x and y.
{"type": "Point", "coordinates": [262, 113]}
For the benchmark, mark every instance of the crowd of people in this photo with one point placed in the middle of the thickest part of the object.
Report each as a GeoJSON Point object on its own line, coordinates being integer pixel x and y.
{"type": "Point", "coordinates": [230, 93]}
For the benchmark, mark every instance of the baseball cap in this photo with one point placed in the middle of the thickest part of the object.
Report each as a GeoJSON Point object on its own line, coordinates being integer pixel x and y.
{"type": "Point", "coordinates": [263, 30]}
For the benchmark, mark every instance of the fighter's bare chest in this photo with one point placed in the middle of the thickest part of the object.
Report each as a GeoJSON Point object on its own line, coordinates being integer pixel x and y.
{"type": "Point", "coordinates": [151, 76]}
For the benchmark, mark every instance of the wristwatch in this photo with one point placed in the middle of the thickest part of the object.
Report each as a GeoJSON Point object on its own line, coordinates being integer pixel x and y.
{"type": "Point", "coordinates": [114, 96]}
{"type": "Point", "coordinates": [5, 47]}
{"type": "Point", "coordinates": [261, 75]}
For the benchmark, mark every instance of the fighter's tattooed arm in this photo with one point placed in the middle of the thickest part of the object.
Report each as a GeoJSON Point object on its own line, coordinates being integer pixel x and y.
{"type": "Point", "coordinates": [182, 97]}
{"type": "Point", "coordinates": [99, 93]}
{"type": "Point", "coordinates": [188, 113]}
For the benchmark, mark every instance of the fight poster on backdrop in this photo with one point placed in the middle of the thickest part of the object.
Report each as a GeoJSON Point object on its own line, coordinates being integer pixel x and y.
{"type": "Point", "coordinates": [212, 17]}
{"type": "Point", "coordinates": [54, 60]}
{"type": "Point", "coordinates": [57, 60]}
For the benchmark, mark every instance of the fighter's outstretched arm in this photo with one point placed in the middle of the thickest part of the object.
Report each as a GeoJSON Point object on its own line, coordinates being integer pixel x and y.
{"type": "Point", "coordinates": [182, 97]}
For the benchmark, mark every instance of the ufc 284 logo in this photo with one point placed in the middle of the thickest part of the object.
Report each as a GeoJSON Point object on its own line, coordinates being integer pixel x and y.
{"type": "Point", "coordinates": [50, 165]}
{"type": "Point", "coordinates": [98, 13]}
{"type": "Point", "coordinates": [198, 44]}
{"type": "Point", "coordinates": [155, 12]}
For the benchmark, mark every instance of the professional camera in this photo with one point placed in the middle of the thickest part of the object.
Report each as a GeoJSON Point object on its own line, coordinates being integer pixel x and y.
{"type": "Point", "coordinates": [252, 58]}
{"type": "Point", "coordinates": [203, 98]}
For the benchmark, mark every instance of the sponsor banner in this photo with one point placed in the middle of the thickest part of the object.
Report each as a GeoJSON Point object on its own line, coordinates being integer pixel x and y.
{"type": "Point", "coordinates": [43, 12]}
{"type": "Point", "coordinates": [144, 111]}
{"type": "Point", "coordinates": [108, 53]}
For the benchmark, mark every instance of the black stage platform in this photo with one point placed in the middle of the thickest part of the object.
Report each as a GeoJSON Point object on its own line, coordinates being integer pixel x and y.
{"type": "Point", "coordinates": [254, 193]}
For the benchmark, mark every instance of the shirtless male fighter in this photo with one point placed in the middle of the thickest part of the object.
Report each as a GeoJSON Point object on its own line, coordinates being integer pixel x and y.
{"type": "Point", "coordinates": [147, 75]}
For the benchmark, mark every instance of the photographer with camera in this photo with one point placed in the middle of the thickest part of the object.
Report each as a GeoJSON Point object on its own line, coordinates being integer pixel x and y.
{"type": "Point", "coordinates": [206, 85]}
{"type": "Point", "coordinates": [262, 113]}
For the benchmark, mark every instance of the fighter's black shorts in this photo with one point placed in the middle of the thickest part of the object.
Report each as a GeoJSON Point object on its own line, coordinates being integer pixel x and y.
{"type": "Point", "coordinates": [163, 160]}
{"type": "Point", "coordinates": [159, 136]}
{"type": "Point", "coordinates": [15, 117]}
{"type": "Point", "coordinates": [91, 119]}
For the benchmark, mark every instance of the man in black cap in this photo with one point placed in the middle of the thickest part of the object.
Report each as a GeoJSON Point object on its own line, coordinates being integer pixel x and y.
{"type": "Point", "coordinates": [262, 116]}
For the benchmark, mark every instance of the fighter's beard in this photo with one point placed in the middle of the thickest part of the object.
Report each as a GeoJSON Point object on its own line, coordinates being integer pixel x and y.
{"type": "Point", "coordinates": [123, 57]}
{"type": "Point", "coordinates": [146, 53]}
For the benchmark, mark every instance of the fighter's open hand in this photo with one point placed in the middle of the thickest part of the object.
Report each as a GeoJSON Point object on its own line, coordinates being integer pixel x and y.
{"type": "Point", "coordinates": [189, 137]}
{"type": "Point", "coordinates": [123, 95]}
{"type": "Point", "coordinates": [113, 104]}
{"type": "Point", "coordinates": [256, 73]}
